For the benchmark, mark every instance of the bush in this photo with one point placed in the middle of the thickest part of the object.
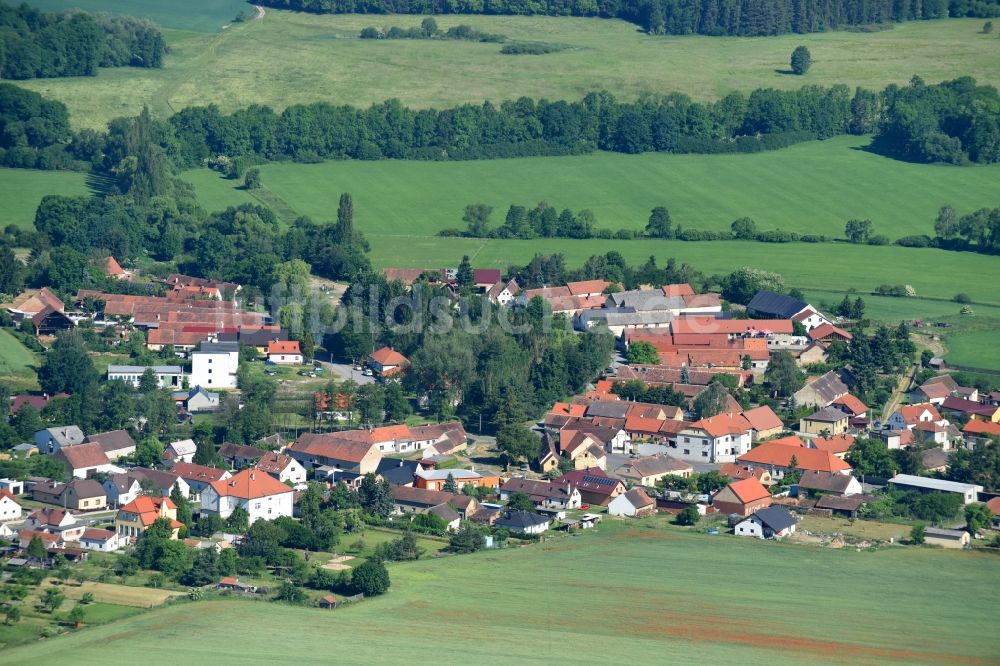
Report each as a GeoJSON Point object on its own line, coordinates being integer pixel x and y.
{"type": "Point", "coordinates": [531, 48]}
{"type": "Point", "coordinates": [689, 516]}
{"type": "Point", "coordinates": [371, 578]}
{"type": "Point", "coordinates": [962, 298]}
{"type": "Point", "coordinates": [919, 240]}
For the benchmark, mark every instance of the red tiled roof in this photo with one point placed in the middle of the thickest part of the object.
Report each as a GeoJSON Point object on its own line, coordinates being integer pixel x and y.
{"type": "Point", "coordinates": [982, 428]}
{"type": "Point", "coordinates": [193, 472]}
{"type": "Point", "coordinates": [274, 463]}
{"type": "Point", "coordinates": [283, 347]}
{"type": "Point", "coordinates": [683, 289]}
{"type": "Point", "coordinates": [994, 506]}
{"type": "Point", "coordinates": [704, 324]}
{"type": "Point", "coordinates": [835, 445]}
{"type": "Point", "coordinates": [779, 453]}
{"type": "Point", "coordinates": [250, 484]}
{"type": "Point", "coordinates": [388, 356]}
{"type": "Point", "coordinates": [722, 424]}
{"type": "Point", "coordinates": [749, 490]}
{"type": "Point", "coordinates": [853, 404]}
{"type": "Point", "coordinates": [824, 331]}
{"type": "Point", "coordinates": [587, 287]}
{"type": "Point", "coordinates": [85, 455]}
{"type": "Point", "coordinates": [911, 413]}
{"type": "Point", "coordinates": [112, 267]}
{"type": "Point", "coordinates": [763, 418]}
{"type": "Point", "coordinates": [147, 508]}
{"type": "Point", "coordinates": [94, 534]}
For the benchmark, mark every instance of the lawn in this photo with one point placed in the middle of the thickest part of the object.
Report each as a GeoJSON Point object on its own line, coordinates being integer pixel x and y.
{"type": "Point", "coordinates": [195, 15]}
{"type": "Point", "coordinates": [22, 189]}
{"type": "Point", "coordinates": [17, 363]}
{"type": "Point", "coordinates": [289, 58]}
{"type": "Point", "coordinates": [813, 187]}
{"type": "Point", "coordinates": [976, 344]}
{"type": "Point", "coordinates": [627, 591]}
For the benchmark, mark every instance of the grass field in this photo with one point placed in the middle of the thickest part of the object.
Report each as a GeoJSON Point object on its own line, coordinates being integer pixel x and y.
{"type": "Point", "coordinates": [197, 15]}
{"type": "Point", "coordinates": [290, 58]}
{"type": "Point", "coordinates": [17, 363]}
{"type": "Point", "coordinates": [628, 591]}
{"type": "Point", "coordinates": [22, 189]}
{"type": "Point", "coordinates": [976, 344]}
{"type": "Point", "coordinates": [813, 187]}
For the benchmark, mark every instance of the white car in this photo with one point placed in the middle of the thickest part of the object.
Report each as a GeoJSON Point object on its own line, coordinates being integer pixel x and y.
{"type": "Point", "coordinates": [368, 372]}
{"type": "Point", "coordinates": [357, 366]}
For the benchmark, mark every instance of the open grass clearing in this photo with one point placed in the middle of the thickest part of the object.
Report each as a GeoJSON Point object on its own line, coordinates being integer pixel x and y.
{"type": "Point", "coordinates": [975, 343]}
{"type": "Point", "coordinates": [17, 363]}
{"type": "Point", "coordinates": [22, 189]}
{"type": "Point", "coordinates": [123, 595]}
{"type": "Point", "coordinates": [633, 589]}
{"type": "Point", "coordinates": [289, 58]}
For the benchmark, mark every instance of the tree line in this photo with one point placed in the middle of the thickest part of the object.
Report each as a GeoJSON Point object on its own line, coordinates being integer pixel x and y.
{"type": "Point", "coordinates": [680, 17]}
{"type": "Point", "coordinates": [37, 44]}
{"type": "Point", "coordinates": [429, 30]}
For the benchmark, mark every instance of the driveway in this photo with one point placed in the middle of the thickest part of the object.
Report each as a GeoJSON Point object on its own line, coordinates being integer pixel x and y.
{"type": "Point", "coordinates": [342, 371]}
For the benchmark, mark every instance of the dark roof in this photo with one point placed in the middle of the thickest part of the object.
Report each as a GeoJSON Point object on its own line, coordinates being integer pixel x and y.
{"type": "Point", "coordinates": [833, 502]}
{"type": "Point", "coordinates": [616, 409]}
{"type": "Point", "coordinates": [444, 512]}
{"type": "Point", "coordinates": [397, 472]}
{"type": "Point", "coordinates": [770, 303]}
{"type": "Point", "coordinates": [776, 517]}
{"type": "Point", "coordinates": [834, 483]}
{"type": "Point", "coordinates": [521, 520]}
{"type": "Point", "coordinates": [116, 440]}
{"type": "Point", "coordinates": [827, 415]}
{"type": "Point", "coordinates": [231, 451]}
{"type": "Point", "coordinates": [261, 336]}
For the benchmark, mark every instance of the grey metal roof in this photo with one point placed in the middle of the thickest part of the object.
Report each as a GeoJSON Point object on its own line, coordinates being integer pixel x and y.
{"type": "Point", "coordinates": [942, 532]}
{"type": "Point", "coordinates": [139, 369]}
{"type": "Point", "coordinates": [933, 484]}
{"type": "Point", "coordinates": [776, 517]}
{"type": "Point", "coordinates": [645, 300]}
{"type": "Point", "coordinates": [522, 520]}
{"type": "Point", "coordinates": [626, 317]}
{"type": "Point", "coordinates": [217, 348]}
{"type": "Point", "coordinates": [778, 305]}
{"type": "Point", "coordinates": [827, 415]}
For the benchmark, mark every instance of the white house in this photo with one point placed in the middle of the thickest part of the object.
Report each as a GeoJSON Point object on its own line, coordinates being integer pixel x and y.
{"type": "Point", "coordinates": [214, 364]}
{"type": "Point", "coordinates": [9, 508]}
{"type": "Point", "coordinates": [120, 489]}
{"type": "Point", "coordinates": [717, 439]}
{"type": "Point", "coordinates": [773, 522]}
{"type": "Point", "coordinates": [503, 293]}
{"type": "Point", "coordinates": [284, 352]}
{"type": "Point", "coordinates": [259, 493]}
{"type": "Point", "coordinates": [908, 416]}
{"type": "Point", "coordinates": [105, 541]}
{"type": "Point", "coordinates": [633, 503]}
{"type": "Point", "coordinates": [283, 468]}
{"type": "Point", "coordinates": [182, 450]}
{"type": "Point", "coordinates": [85, 460]}
{"type": "Point", "coordinates": [200, 400]}
{"type": "Point", "coordinates": [523, 522]}
{"type": "Point", "coordinates": [167, 376]}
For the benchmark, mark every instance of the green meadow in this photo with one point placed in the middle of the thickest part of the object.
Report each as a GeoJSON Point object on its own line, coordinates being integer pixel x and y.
{"type": "Point", "coordinates": [290, 58]}
{"type": "Point", "coordinates": [17, 363]}
{"type": "Point", "coordinates": [22, 189]}
{"type": "Point", "coordinates": [634, 593]}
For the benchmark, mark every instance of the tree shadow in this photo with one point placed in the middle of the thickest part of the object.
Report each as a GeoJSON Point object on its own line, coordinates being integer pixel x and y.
{"type": "Point", "coordinates": [99, 184]}
{"type": "Point", "coordinates": [786, 72]}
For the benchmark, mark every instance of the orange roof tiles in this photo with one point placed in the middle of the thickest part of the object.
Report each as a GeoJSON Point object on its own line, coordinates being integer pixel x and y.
{"type": "Point", "coordinates": [683, 289]}
{"type": "Point", "coordinates": [722, 424]}
{"type": "Point", "coordinates": [587, 287]}
{"type": "Point", "coordinates": [283, 347]}
{"type": "Point", "coordinates": [853, 404]}
{"type": "Point", "coordinates": [250, 484]}
{"type": "Point", "coordinates": [779, 453]}
{"type": "Point", "coordinates": [911, 413]}
{"type": "Point", "coordinates": [148, 508]}
{"type": "Point", "coordinates": [763, 418]}
{"type": "Point", "coordinates": [824, 331]}
{"type": "Point", "coordinates": [978, 427]}
{"type": "Point", "coordinates": [749, 490]}
{"type": "Point", "coordinates": [835, 445]}
{"type": "Point", "coordinates": [704, 324]}
{"type": "Point", "coordinates": [388, 356]}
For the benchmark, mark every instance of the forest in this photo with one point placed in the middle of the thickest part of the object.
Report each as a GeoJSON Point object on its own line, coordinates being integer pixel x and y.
{"type": "Point", "coordinates": [680, 17]}
{"type": "Point", "coordinates": [37, 44]}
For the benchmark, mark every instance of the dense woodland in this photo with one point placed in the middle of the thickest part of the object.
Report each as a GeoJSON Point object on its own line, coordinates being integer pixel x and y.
{"type": "Point", "coordinates": [36, 44]}
{"type": "Point", "coordinates": [680, 17]}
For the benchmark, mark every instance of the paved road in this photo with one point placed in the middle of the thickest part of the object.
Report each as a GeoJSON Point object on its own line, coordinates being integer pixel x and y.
{"type": "Point", "coordinates": [343, 371]}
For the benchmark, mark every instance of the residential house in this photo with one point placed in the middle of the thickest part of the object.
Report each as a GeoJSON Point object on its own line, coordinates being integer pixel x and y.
{"type": "Point", "coordinates": [847, 507]}
{"type": "Point", "coordinates": [717, 439]}
{"type": "Point", "coordinates": [451, 518]}
{"type": "Point", "coordinates": [407, 499]}
{"type": "Point", "coordinates": [10, 509]}
{"type": "Point", "coordinates": [548, 455]}
{"type": "Point", "coordinates": [198, 400]}
{"type": "Point", "coordinates": [896, 439]}
{"type": "Point", "coordinates": [83, 460]}
{"type": "Point", "coordinates": [936, 536]}
{"type": "Point", "coordinates": [78, 494]}
{"type": "Point", "coordinates": [259, 493]}
{"type": "Point", "coordinates": [936, 389]}
{"type": "Point", "coordinates": [31, 302]}
{"type": "Point", "coordinates": [822, 391]}
{"type": "Point", "coordinates": [13, 486]}
{"type": "Point", "coordinates": [55, 521]}
{"type": "Point", "coordinates": [763, 422]}
{"type": "Point", "coordinates": [633, 503]}
{"type": "Point", "coordinates": [545, 494]}
{"type": "Point", "coordinates": [851, 405]}
{"type": "Point", "coordinates": [583, 449]}
{"type": "Point", "coordinates": [51, 440]}
{"type": "Point", "coordinates": [51, 321]}
{"type": "Point", "coordinates": [183, 450]}
{"type": "Point", "coordinates": [778, 455]}
{"type": "Point", "coordinates": [214, 365]}
{"type": "Point", "coordinates": [971, 409]}
{"type": "Point", "coordinates": [838, 446]}
{"type": "Point", "coordinates": [37, 401]}
{"type": "Point", "coordinates": [968, 491]}
{"type": "Point", "coordinates": [769, 305]}
{"type": "Point", "coordinates": [935, 460]}
{"type": "Point", "coordinates": [523, 522]}
{"type": "Point", "coordinates": [159, 481]}
{"type": "Point", "coordinates": [977, 432]}
{"type": "Point", "coordinates": [239, 456]}
{"type": "Point", "coordinates": [398, 472]}
{"type": "Point", "coordinates": [503, 293]}
{"type": "Point", "coordinates": [282, 467]}
{"type": "Point", "coordinates": [198, 477]}
{"type": "Point", "coordinates": [133, 519]}
{"type": "Point", "coordinates": [944, 435]}
{"type": "Point", "coordinates": [823, 483]}
{"type": "Point", "coordinates": [104, 541]}
{"type": "Point", "coordinates": [736, 472]}
{"type": "Point", "coordinates": [596, 487]}
{"type": "Point", "coordinates": [742, 497]}
{"type": "Point", "coordinates": [387, 362]}
{"type": "Point", "coordinates": [436, 479]}
{"type": "Point", "coordinates": [50, 540]}
{"type": "Point", "coordinates": [826, 333]}
{"type": "Point", "coordinates": [774, 522]}
{"type": "Point", "coordinates": [332, 450]}
{"type": "Point", "coordinates": [908, 416]}
{"type": "Point", "coordinates": [115, 444]}
{"type": "Point", "coordinates": [827, 422]}
{"type": "Point", "coordinates": [646, 471]}
{"type": "Point", "coordinates": [167, 376]}
{"type": "Point", "coordinates": [284, 352]}
{"type": "Point", "coordinates": [120, 489]}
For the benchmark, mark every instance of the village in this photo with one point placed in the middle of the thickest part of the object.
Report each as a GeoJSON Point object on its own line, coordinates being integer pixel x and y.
{"type": "Point", "coordinates": [731, 420]}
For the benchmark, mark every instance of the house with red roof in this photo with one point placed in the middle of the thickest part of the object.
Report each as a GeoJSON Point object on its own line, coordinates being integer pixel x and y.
{"type": "Point", "coordinates": [595, 486]}
{"type": "Point", "coordinates": [777, 457]}
{"type": "Point", "coordinates": [977, 432]}
{"type": "Point", "coordinates": [717, 439]}
{"type": "Point", "coordinates": [387, 362]}
{"type": "Point", "coordinates": [282, 467]}
{"type": "Point", "coordinates": [262, 495]}
{"type": "Point", "coordinates": [284, 352]}
{"type": "Point", "coordinates": [198, 477]}
{"type": "Point", "coordinates": [829, 333]}
{"type": "Point", "coordinates": [908, 416]}
{"type": "Point", "coordinates": [764, 422]}
{"type": "Point", "coordinates": [10, 508]}
{"type": "Point", "coordinates": [851, 405]}
{"type": "Point", "coordinates": [838, 445]}
{"type": "Point", "coordinates": [742, 497]}
{"type": "Point", "coordinates": [133, 519]}
{"type": "Point", "coordinates": [735, 471]}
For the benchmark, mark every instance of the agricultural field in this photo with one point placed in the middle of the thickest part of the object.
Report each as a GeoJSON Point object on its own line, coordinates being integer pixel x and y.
{"type": "Point", "coordinates": [975, 344]}
{"type": "Point", "coordinates": [22, 189]}
{"type": "Point", "coordinates": [17, 363]}
{"type": "Point", "coordinates": [290, 58]}
{"type": "Point", "coordinates": [729, 601]}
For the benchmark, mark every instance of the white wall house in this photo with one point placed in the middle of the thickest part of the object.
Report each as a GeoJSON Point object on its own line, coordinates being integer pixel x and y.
{"type": "Point", "coordinates": [263, 496]}
{"type": "Point", "coordinates": [167, 376]}
{"type": "Point", "coordinates": [214, 365]}
{"type": "Point", "coordinates": [707, 441]}
{"type": "Point", "coordinates": [9, 508]}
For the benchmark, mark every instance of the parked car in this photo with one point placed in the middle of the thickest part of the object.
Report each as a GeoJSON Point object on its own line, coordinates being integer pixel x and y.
{"type": "Point", "coordinates": [357, 366]}
{"type": "Point", "coordinates": [367, 372]}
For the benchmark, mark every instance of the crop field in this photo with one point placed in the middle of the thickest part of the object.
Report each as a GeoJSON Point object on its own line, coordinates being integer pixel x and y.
{"type": "Point", "coordinates": [631, 591]}
{"type": "Point", "coordinates": [22, 189]}
{"type": "Point", "coordinates": [290, 58]}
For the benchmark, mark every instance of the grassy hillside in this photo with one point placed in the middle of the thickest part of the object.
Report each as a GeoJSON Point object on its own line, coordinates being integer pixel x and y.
{"type": "Point", "coordinates": [809, 188]}
{"type": "Point", "coordinates": [22, 189]}
{"type": "Point", "coordinates": [629, 591]}
{"type": "Point", "coordinates": [292, 58]}
{"type": "Point", "coordinates": [196, 15]}
{"type": "Point", "coordinates": [17, 363]}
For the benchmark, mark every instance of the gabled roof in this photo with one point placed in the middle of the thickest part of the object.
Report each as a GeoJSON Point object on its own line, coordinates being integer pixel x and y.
{"type": "Point", "coordinates": [839, 444]}
{"type": "Point", "coordinates": [162, 480]}
{"type": "Point", "coordinates": [911, 413]}
{"type": "Point", "coordinates": [231, 451]}
{"type": "Point", "coordinates": [274, 463]}
{"type": "Point", "coordinates": [183, 447]}
{"type": "Point", "coordinates": [763, 418]}
{"type": "Point", "coordinates": [638, 498]}
{"type": "Point", "coordinates": [827, 415]}
{"type": "Point", "coordinates": [250, 484]}
{"type": "Point", "coordinates": [521, 520]}
{"type": "Point", "coordinates": [835, 483]}
{"type": "Point", "coordinates": [851, 503]}
{"type": "Point", "coordinates": [444, 512]}
{"type": "Point", "coordinates": [112, 267]}
{"type": "Point", "coordinates": [198, 473]}
{"type": "Point", "coordinates": [652, 466]}
{"type": "Point", "coordinates": [94, 534]}
{"type": "Point", "coordinates": [283, 347]}
{"type": "Point", "coordinates": [779, 453]}
{"type": "Point", "coordinates": [148, 508]}
{"type": "Point", "coordinates": [330, 445]}
{"type": "Point", "coordinates": [82, 456]}
{"type": "Point", "coordinates": [749, 490]}
{"type": "Point", "coordinates": [683, 289]}
{"type": "Point", "coordinates": [51, 517]}
{"type": "Point", "coordinates": [775, 517]}
{"type": "Point", "coordinates": [828, 387]}
{"type": "Point", "coordinates": [388, 356]}
{"type": "Point", "coordinates": [985, 428]}
{"type": "Point", "coordinates": [584, 287]}
{"type": "Point", "coordinates": [722, 424]}
{"type": "Point", "coordinates": [851, 404]}
{"type": "Point", "coordinates": [420, 496]}
{"type": "Point", "coordinates": [778, 305]}
{"type": "Point", "coordinates": [824, 331]}
{"type": "Point", "coordinates": [115, 440]}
